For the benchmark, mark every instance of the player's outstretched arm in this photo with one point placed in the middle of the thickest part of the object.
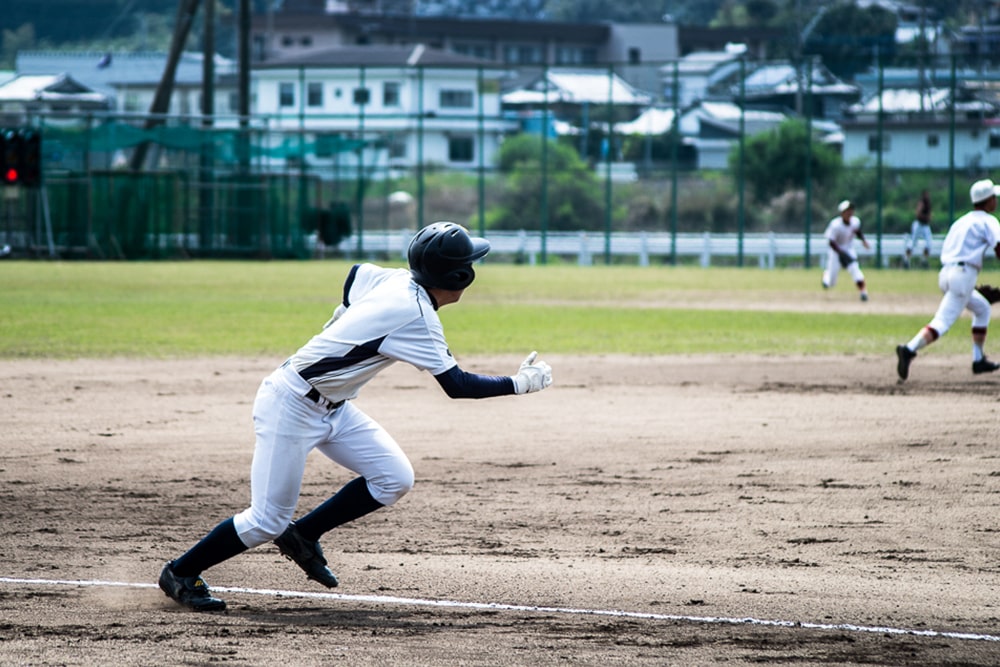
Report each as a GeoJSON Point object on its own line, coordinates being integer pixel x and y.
{"type": "Point", "coordinates": [531, 376]}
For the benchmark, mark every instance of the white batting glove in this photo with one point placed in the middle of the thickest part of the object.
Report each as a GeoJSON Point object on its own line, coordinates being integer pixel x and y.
{"type": "Point", "coordinates": [532, 375]}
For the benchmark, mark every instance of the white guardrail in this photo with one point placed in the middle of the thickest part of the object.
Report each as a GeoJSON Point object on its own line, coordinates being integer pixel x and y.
{"type": "Point", "coordinates": [591, 247]}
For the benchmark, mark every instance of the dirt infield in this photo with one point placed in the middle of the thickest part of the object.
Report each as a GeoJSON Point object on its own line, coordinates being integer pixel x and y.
{"type": "Point", "coordinates": [813, 491]}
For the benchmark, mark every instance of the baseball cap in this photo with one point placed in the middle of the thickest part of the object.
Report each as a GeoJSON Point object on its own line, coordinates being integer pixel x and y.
{"type": "Point", "coordinates": [983, 190]}
{"type": "Point", "coordinates": [844, 205]}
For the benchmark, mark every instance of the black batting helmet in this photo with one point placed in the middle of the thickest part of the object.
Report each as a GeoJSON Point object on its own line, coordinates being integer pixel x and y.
{"type": "Point", "coordinates": [441, 255]}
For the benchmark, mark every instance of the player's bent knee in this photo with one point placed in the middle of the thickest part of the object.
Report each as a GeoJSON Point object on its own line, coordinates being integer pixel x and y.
{"type": "Point", "coordinates": [387, 489]}
{"type": "Point", "coordinates": [256, 530]}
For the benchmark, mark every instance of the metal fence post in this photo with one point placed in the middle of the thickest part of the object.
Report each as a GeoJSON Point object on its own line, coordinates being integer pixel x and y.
{"type": "Point", "coordinates": [741, 181]}
{"type": "Point", "coordinates": [544, 204]}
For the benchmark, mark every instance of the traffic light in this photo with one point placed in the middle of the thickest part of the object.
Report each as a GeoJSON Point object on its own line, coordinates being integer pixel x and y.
{"type": "Point", "coordinates": [31, 159]}
{"type": "Point", "coordinates": [21, 157]}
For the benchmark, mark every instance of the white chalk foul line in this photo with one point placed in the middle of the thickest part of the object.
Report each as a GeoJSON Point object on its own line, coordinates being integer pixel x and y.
{"type": "Point", "coordinates": [499, 606]}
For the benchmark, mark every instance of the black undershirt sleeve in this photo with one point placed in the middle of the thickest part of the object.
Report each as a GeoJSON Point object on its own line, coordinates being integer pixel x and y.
{"type": "Point", "coordinates": [459, 384]}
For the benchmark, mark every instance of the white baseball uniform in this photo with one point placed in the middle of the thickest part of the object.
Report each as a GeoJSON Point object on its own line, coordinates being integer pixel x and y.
{"type": "Point", "coordinates": [842, 234]}
{"type": "Point", "coordinates": [962, 254]}
{"type": "Point", "coordinates": [306, 403]}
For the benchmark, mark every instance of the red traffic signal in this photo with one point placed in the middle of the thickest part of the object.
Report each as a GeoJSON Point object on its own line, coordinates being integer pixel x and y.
{"type": "Point", "coordinates": [21, 157]}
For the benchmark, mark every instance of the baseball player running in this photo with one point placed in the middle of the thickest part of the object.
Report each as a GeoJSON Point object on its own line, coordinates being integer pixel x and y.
{"type": "Point", "coordinates": [387, 315]}
{"type": "Point", "coordinates": [962, 255]}
{"type": "Point", "coordinates": [840, 235]}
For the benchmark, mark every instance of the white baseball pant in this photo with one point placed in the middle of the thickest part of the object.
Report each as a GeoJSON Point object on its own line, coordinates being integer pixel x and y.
{"type": "Point", "coordinates": [958, 282]}
{"type": "Point", "coordinates": [288, 427]}
{"type": "Point", "coordinates": [833, 269]}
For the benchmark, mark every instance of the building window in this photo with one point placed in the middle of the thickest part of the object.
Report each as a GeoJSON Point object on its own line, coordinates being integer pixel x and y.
{"type": "Point", "coordinates": [634, 56]}
{"type": "Point", "coordinates": [132, 102]}
{"type": "Point", "coordinates": [571, 55]}
{"type": "Point", "coordinates": [455, 99]}
{"type": "Point", "coordinates": [390, 94]}
{"type": "Point", "coordinates": [286, 94]}
{"type": "Point", "coordinates": [287, 40]}
{"type": "Point", "coordinates": [523, 55]}
{"type": "Point", "coordinates": [306, 41]}
{"type": "Point", "coordinates": [314, 94]}
{"type": "Point", "coordinates": [994, 140]}
{"type": "Point", "coordinates": [482, 51]}
{"type": "Point", "coordinates": [933, 140]}
{"type": "Point", "coordinates": [361, 96]}
{"type": "Point", "coordinates": [873, 146]}
{"type": "Point", "coordinates": [234, 102]}
{"type": "Point", "coordinates": [397, 148]}
{"type": "Point", "coordinates": [460, 149]}
{"type": "Point", "coordinates": [259, 46]}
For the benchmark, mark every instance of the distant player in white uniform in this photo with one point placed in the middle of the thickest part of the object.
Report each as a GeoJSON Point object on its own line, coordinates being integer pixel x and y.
{"type": "Point", "coordinates": [387, 315]}
{"type": "Point", "coordinates": [962, 254]}
{"type": "Point", "coordinates": [840, 235]}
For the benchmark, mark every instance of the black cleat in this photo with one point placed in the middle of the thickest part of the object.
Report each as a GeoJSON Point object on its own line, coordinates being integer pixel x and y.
{"type": "Point", "coordinates": [307, 555]}
{"type": "Point", "coordinates": [189, 591]}
{"type": "Point", "coordinates": [984, 365]}
{"type": "Point", "coordinates": [905, 356]}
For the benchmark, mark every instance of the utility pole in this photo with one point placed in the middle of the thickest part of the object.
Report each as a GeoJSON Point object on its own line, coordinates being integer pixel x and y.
{"type": "Point", "coordinates": [186, 10]}
{"type": "Point", "coordinates": [206, 157]}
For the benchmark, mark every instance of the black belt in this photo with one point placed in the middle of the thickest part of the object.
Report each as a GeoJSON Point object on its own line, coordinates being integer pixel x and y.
{"type": "Point", "coordinates": [317, 398]}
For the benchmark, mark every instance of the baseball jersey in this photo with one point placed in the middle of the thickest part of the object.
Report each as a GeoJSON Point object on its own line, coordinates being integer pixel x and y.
{"type": "Point", "coordinates": [385, 317]}
{"type": "Point", "coordinates": [969, 238]}
{"type": "Point", "coordinates": [843, 234]}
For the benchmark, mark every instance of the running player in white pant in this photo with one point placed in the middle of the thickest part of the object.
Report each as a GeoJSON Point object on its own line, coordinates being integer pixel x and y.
{"type": "Point", "coordinates": [387, 315]}
{"type": "Point", "coordinates": [962, 255]}
{"type": "Point", "coordinates": [840, 235]}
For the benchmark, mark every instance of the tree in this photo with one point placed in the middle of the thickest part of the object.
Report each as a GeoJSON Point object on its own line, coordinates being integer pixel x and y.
{"type": "Point", "coordinates": [14, 41]}
{"type": "Point", "coordinates": [572, 192]}
{"type": "Point", "coordinates": [776, 161]}
{"type": "Point", "coordinates": [847, 38]}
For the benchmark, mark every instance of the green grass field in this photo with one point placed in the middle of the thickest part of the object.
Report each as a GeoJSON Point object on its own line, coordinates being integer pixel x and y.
{"type": "Point", "coordinates": [170, 309]}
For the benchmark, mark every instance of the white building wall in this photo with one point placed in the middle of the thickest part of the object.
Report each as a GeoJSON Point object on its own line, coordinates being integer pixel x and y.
{"type": "Point", "coordinates": [339, 112]}
{"type": "Point", "coordinates": [910, 148]}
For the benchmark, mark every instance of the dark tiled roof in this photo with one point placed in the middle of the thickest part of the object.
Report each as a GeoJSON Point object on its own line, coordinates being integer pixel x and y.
{"type": "Point", "coordinates": [418, 28]}
{"type": "Point", "coordinates": [376, 56]}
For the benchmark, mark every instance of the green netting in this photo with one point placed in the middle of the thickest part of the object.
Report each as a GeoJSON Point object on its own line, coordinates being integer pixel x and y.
{"type": "Point", "coordinates": [223, 145]}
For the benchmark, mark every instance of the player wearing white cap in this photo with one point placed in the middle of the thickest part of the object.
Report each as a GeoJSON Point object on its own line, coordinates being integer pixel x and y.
{"type": "Point", "coordinates": [840, 234]}
{"type": "Point", "coordinates": [962, 255]}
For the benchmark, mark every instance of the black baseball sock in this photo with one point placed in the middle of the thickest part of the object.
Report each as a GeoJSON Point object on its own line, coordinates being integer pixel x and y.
{"type": "Point", "coordinates": [221, 544]}
{"type": "Point", "coordinates": [351, 502]}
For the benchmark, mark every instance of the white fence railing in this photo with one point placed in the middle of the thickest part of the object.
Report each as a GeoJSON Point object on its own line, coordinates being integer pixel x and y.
{"type": "Point", "coordinates": [589, 247]}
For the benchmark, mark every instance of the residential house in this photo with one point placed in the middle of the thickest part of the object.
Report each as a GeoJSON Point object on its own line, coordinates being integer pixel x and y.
{"type": "Point", "coordinates": [56, 95]}
{"type": "Point", "coordinates": [782, 85]}
{"type": "Point", "coordinates": [298, 27]}
{"type": "Point", "coordinates": [917, 128]}
{"type": "Point", "coordinates": [573, 94]}
{"type": "Point", "coordinates": [576, 101]}
{"type": "Point", "coordinates": [130, 80]}
{"type": "Point", "coordinates": [713, 129]}
{"type": "Point", "coordinates": [702, 75]}
{"type": "Point", "coordinates": [697, 39]}
{"type": "Point", "coordinates": [409, 105]}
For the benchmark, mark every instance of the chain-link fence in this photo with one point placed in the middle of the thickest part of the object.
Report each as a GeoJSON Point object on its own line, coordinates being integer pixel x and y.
{"type": "Point", "coordinates": [698, 155]}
